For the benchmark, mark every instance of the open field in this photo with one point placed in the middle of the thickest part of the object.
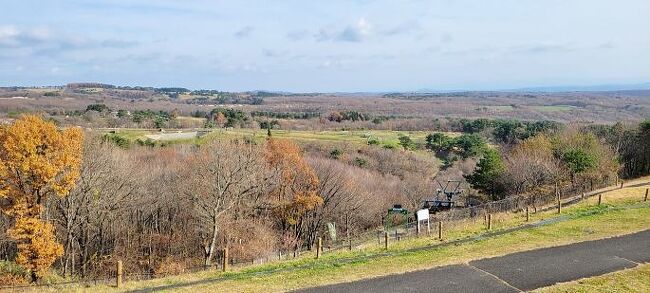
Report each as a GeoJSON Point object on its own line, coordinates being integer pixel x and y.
{"type": "Point", "coordinates": [555, 108]}
{"type": "Point", "coordinates": [360, 137]}
{"type": "Point", "coordinates": [621, 213]}
{"type": "Point", "coordinates": [385, 137]}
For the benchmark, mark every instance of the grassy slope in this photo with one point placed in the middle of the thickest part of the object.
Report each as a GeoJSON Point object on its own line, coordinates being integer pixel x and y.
{"type": "Point", "coordinates": [636, 279]}
{"type": "Point", "coordinates": [620, 214]}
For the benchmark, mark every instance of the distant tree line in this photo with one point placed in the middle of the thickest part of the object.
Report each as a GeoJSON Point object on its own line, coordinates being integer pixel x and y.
{"type": "Point", "coordinates": [508, 131]}
{"type": "Point", "coordinates": [82, 85]}
{"type": "Point", "coordinates": [158, 119]}
{"type": "Point", "coordinates": [286, 115]}
{"type": "Point", "coordinates": [226, 117]}
{"type": "Point", "coordinates": [423, 96]}
{"type": "Point", "coordinates": [354, 116]}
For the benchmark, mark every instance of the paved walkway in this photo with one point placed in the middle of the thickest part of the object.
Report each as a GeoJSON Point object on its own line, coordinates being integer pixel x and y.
{"type": "Point", "coordinates": [515, 272]}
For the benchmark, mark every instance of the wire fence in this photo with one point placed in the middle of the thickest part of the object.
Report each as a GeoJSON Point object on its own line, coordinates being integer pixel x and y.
{"type": "Point", "coordinates": [451, 218]}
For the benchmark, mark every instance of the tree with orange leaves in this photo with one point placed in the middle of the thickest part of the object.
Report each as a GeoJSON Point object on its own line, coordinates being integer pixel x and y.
{"type": "Point", "coordinates": [36, 161]}
{"type": "Point", "coordinates": [220, 119]}
{"type": "Point", "coordinates": [295, 192]}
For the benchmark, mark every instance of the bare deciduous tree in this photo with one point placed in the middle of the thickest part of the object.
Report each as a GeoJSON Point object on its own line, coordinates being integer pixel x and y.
{"type": "Point", "coordinates": [219, 177]}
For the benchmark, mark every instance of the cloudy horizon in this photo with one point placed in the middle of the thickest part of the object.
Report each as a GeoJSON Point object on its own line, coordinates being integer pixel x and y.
{"type": "Point", "coordinates": [331, 46]}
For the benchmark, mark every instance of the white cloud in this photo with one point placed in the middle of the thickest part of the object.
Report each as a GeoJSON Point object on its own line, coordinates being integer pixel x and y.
{"type": "Point", "coordinates": [11, 36]}
{"type": "Point", "coordinates": [44, 42]}
{"type": "Point", "coordinates": [357, 32]}
{"type": "Point", "coordinates": [7, 33]}
{"type": "Point", "coordinates": [352, 33]}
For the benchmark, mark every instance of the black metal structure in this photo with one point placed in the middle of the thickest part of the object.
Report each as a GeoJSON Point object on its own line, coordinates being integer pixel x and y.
{"type": "Point", "coordinates": [446, 197]}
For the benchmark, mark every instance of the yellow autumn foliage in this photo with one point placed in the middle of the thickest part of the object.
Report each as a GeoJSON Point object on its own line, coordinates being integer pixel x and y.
{"type": "Point", "coordinates": [36, 161]}
{"type": "Point", "coordinates": [37, 247]}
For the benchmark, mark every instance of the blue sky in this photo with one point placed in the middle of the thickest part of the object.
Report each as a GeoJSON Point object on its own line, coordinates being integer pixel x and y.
{"type": "Point", "coordinates": [362, 45]}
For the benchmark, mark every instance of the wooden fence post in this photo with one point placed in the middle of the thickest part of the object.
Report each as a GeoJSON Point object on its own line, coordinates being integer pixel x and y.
{"type": "Point", "coordinates": [349, 243]}
{"type": "Point", "coordinates": [489, 221]}
{"type": "Point", "coordinates": [621, 184]}
{"type": "Point", "coordinates": [600, 198]}
{"type": "Point", "coordinates": [386, 240]}
{"type": "Point", "coordinates": [224, 260]}
{"type": "Point", "coordinates": [527, 214]}
{"type": "Point", "coordinates": [646, 195]}
{"type": "Point", "coordinates": [440, 230]}
{"type": "Point", "coordinates": [118, 275]}
{"type": "Point", "coordinates": [319, 247]}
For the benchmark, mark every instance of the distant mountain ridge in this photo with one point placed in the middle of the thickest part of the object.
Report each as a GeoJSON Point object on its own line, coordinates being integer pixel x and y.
{"type": "Point", "coordinates": [590, 88]}
{"type": "Point", "coordinates": [551, 89]}
{"type": "Point", "coordinates": [541, 89]}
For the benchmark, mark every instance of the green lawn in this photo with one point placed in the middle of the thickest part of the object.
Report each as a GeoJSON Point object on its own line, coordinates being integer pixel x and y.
{"type": "Point", "coordinates": [198, 120]}
{"type": "Point", "coordinates": [361, 137]}
{"type": "Point", "coordinates": [134, 134]}
{"type": "Point", "coordinates": [384, 137]}
{"type": "Point", "coordinates": [621, 213]}
{"type": "Point", "coordinates": [636, 279]}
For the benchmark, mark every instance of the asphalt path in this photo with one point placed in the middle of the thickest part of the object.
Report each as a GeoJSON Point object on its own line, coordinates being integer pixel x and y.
{"type": "Point", "coordinates": [522, 271]}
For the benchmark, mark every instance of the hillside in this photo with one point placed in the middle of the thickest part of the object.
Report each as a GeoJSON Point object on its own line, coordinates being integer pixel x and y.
{"type": "Point", "coordinates": [622, 211]}
{"type": "Point", "coordinates": [598, 107]}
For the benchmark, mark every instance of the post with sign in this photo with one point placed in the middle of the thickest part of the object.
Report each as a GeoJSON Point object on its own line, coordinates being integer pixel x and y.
{"type": "Point", "coordinates": [422, 215]}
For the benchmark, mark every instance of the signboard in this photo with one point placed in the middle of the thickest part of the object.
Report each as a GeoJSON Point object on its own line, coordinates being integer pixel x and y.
{"type": "Point", "coordinates": [422, 214]}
